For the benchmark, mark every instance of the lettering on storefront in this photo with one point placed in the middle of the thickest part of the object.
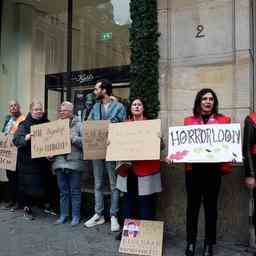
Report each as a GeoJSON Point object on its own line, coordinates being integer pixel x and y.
{"type": "Point", "coordinates": [83, 78]}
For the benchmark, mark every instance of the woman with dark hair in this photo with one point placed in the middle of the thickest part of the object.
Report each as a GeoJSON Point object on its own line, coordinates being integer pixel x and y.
{"type": "Point", "coordinates": [141, 180]}
{"type": "Point", "coordinates": [203, 180]}
{"type": "Point", "coordinates": [31, 172]}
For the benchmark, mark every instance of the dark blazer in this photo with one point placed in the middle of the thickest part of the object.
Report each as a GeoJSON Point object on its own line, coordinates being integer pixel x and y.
{"type": "Point", "coordinates": [249, 145]}
{"type": "Point", "coordinates": [31, 172]}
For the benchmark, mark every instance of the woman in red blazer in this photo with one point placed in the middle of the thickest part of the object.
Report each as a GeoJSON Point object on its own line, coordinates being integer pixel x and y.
{"type": "Point", "coordinates": [203, 180]}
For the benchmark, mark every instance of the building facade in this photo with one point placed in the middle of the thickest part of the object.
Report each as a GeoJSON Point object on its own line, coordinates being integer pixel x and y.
{"type": "Point", "coordinates": [53, 51]}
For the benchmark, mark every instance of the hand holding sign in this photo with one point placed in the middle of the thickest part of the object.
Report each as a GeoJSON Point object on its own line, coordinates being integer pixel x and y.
{"type": "Point", "coordinates": [250, 182]}
{"type": "Point", "coordinates": [28, 137]}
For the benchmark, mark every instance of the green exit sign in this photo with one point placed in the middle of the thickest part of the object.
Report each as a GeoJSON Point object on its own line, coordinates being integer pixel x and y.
{"type": "Point", "coordinates": [105, 36]}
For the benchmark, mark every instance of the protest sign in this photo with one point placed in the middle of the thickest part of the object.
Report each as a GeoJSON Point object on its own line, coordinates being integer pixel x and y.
{"type": "Point", "coordinates": [95, 134]}
{"type": "Point", "coordinates": [205, 143]}
{"type": "Point", "coordinates": [50, 139]}
{"type": "Point", "coordinates": [8, 152]}
{"type": "Point", "coordinates": [142, 237]}
{"type": "Point", "coordinates": [134, 141]}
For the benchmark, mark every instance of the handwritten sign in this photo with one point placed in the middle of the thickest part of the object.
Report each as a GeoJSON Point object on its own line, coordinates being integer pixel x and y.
{"type": "Point", "coordinates": [141, 237]}
{"type": "Point", "coordinates": [205, 143]}
{"type": "Point", "coordinates": [51, 139]}
{"type": "Point", "coordinates": [95, 139]}
{"type": "Point", "coordinates": [8, 152]}
{"type": "Point", "coordinates": [134, 141]}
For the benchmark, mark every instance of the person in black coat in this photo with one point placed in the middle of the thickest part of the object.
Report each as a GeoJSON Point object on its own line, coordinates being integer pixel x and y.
{"type": "Point", "coordinates": [31, 172]}
{"type": "Point", "coordinates": [249, 154]}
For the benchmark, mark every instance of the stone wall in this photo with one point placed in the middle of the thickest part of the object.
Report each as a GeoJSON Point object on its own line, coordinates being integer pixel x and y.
{"type": "Point", "coordinates": [217, 57]}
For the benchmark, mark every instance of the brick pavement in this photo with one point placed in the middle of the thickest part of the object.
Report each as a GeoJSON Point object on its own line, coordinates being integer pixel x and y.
{"type": "Point", "coordinates": [20, 237]}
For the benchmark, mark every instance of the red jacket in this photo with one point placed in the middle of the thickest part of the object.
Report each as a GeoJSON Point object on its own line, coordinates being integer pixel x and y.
{"type": "Point", "coordinates": [146, 167]}
{"type": "Point", "coordinates": [225, 168]}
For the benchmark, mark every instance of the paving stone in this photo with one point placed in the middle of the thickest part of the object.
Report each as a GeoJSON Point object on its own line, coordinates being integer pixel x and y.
{"type": "Point", "coordinates": [40, 237]}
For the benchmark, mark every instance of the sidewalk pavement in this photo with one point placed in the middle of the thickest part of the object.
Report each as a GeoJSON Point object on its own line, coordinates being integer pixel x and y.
{"type": "Point", "coordinates": [20, 237]}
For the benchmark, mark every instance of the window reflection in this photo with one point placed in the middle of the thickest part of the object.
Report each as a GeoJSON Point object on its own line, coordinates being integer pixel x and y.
{"type": "Point", "coordinates": [100, 34]}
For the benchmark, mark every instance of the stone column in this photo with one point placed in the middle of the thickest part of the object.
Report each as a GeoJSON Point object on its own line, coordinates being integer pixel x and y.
{"type": "Point", "coordinates": [25, 17]}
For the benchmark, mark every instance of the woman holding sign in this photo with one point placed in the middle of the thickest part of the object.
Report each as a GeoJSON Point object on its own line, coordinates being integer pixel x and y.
{"type": "Point", "coordinates": [31, 172]}
{"type": "Point", "coordinates": [141, 180]}
{"type": "Point", "coordinates": [203, 180]}
{"type": "Point", "coordinates": [69, 168]}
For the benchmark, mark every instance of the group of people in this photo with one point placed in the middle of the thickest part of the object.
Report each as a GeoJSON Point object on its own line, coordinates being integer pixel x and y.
{"type": "Point", "coordinates": [140, 181]}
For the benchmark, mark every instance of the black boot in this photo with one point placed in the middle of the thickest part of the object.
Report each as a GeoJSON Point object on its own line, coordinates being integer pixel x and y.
{"type": "Point", "coordinates": [118, 237]}
{"type": "Point", "coordinates": [208, 250]}
{"type": "Point", "coordinates": [190, 250]}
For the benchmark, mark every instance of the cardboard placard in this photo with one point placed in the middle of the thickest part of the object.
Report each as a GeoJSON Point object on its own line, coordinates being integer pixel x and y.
{"type": "Point", "coordinates": [138, 140]}
{"type": "Point", "coordinates": [8, 152]}
{"type": "Point", "coordinates": [142, 237]}
{"type": "Point", "coordinates": [205, 143]}
{"type": "Point", "coordinates": [50, 139]}
{"type": "Point", "coordinates": [95, 135]}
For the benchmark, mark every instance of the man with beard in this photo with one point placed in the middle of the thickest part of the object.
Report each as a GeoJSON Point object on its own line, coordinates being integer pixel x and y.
{"type": "Point", "coordinates": [112, 110]}
{"type": "Point", "coordinates": [10, 126]}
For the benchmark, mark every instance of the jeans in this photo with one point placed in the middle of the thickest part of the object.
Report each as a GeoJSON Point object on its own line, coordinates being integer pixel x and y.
{"type": "Point", "coordinates": [99, 167]}
{"type": "Point", "coordinates": [69, 183]}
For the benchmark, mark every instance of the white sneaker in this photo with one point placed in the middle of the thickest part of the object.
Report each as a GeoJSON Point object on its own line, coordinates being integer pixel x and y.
{"type": "Point", "coordinates": [114, 224]}
{"type": "Point", "coordinates": [96, 219]}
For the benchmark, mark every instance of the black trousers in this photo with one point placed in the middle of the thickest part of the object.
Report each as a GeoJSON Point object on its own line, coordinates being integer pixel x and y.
{"type": "Point", "coordinates": [25, 200]}
{"type": "Point", "coordinates": [48, 198]}
{"type": "Point", "coordinates": [135, 206]}
{"type": "Point", "coordinates": [203, 186]}
{"type": "Point", "coordinates": [254, 211]}
{"type": "Point", "coordinates": [12, 185]}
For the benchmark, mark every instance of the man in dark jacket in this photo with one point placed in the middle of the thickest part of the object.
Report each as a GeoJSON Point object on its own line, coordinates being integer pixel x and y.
{"type": "Point", "coordinates": [10, 126]}
{"type": "Point", "coordinates": [249, 153]}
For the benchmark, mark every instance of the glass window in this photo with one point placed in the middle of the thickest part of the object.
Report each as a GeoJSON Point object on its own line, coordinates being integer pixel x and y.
{"type": "Point", "coordinates": [33, 44]}
{"type": "Point", "coordinates": [100, 34]}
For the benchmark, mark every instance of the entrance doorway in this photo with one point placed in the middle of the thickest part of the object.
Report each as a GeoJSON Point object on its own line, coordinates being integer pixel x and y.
{"type": "Point", "coordinates": [81, 89]}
